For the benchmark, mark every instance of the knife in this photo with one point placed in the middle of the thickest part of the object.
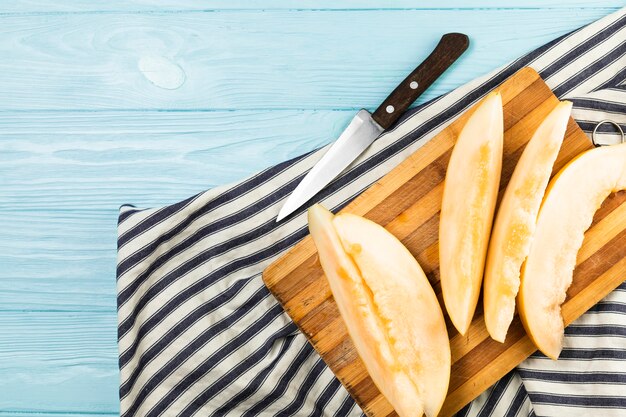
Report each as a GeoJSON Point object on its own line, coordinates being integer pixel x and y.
{"type": "Point", "coordinates": [365, 127]}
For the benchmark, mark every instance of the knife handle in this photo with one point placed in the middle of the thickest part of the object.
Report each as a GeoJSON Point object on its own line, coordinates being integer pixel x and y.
{"type": "Point", "coordinates": [450, 47]}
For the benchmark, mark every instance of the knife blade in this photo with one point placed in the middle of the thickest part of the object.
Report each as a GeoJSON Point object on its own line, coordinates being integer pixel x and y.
{"type": "Point", "coordinates": [365, 127]}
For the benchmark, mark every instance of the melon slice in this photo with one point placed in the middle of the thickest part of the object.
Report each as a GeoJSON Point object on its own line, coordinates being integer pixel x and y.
{"type": "Point", "coordinates": [516, 218]}
{"type": "Point", "coordinates": [572, 198]}
{"type": "Point", "coordinates": [389, 308]}
{"type": "Point", "coordinates": [469, 200]}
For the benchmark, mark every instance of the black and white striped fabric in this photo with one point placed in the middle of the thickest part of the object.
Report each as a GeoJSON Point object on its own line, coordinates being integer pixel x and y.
{"type": "Point", "coordinates": [199, 334]}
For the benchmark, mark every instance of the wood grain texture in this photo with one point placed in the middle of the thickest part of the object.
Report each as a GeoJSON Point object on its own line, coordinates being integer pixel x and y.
{"type": "Point", "coordinates": [163, 6]}
{"type": "Point", "coordinates": [99, 160]}
{"type": "Point", "coordinates": [74, 356]}
{"type": "Point", "coordinates": [252, 59]}
{"type": "Point", "coordinates": [56, 414]}
{"type": "Point", "coordinates": [76, 140]}
{"type": "Point", "coordinates": [57, 262]}
{"type": "Point", "coordinates": [407, 202]}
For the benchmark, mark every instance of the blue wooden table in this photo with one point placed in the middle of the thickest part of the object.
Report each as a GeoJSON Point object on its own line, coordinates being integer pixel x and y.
{"type": "Point", "coordinates": [148, 102]}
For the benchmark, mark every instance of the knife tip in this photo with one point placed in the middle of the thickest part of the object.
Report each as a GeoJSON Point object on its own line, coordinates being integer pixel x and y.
{"type": "Point", "coordinates": [284, 211]}
{"type": "Point", "coordinates": [281, 215]}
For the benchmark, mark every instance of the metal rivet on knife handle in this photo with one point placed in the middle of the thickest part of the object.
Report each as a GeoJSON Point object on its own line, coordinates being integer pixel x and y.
{"type": "Point", "coordinates": [449, 49]}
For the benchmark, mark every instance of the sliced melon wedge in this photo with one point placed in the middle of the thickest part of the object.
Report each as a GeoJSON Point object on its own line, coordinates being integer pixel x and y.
{"type": "Point", "coordinates": [469, 199]}
{"type": "Point", "coordinates": [516, 218]}
{"type": "Point", "coordinates": [389, 308]}
{"type": "Point", "coordinates": [572, 198]}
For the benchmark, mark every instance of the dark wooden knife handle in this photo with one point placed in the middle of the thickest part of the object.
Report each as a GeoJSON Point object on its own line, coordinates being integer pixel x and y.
{"type": "Point", "coordinates": [450, 47]}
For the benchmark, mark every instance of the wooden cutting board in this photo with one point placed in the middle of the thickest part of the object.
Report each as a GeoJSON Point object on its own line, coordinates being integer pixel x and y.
{"type": "Point", "coordinates": [407, 202]}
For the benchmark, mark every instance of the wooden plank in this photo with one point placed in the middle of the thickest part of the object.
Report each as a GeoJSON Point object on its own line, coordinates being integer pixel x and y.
{"type": "Point", "coordinates": [237, 60]}
{"type": "Point", "coordinates": [63, 160]}
{"type": "Point", "coordinates": [48, 357]}
{"type": "Point", "coordinates": [57, 414]}
{"type": "Point", "coordinates": [75, 6]}
{"type": "Point", "coordinates": [58, 261]}
{"type": "Point", "coordinates": [407, 202]}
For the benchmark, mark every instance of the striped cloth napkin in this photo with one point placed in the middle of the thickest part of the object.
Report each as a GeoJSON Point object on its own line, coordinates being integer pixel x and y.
{"type": "Point", "coordinates": [200, 334]}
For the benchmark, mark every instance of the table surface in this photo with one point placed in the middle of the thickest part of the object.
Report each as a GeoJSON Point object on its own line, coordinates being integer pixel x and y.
{"type": "Point", "coordinates": [148, 102]}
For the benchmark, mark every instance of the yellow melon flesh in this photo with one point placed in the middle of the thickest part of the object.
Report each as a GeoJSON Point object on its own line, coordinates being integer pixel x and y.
{"type": "Point", "coordinates": [469, 199]}
{"type": "Point", "coordinates": [390, 310]}
{"type": "Point", "coordinates": [571, 200]}
{"type": "Point", "coordinates": [350, 294]}
{"type": "Point", "coordinates": [516, 218]}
